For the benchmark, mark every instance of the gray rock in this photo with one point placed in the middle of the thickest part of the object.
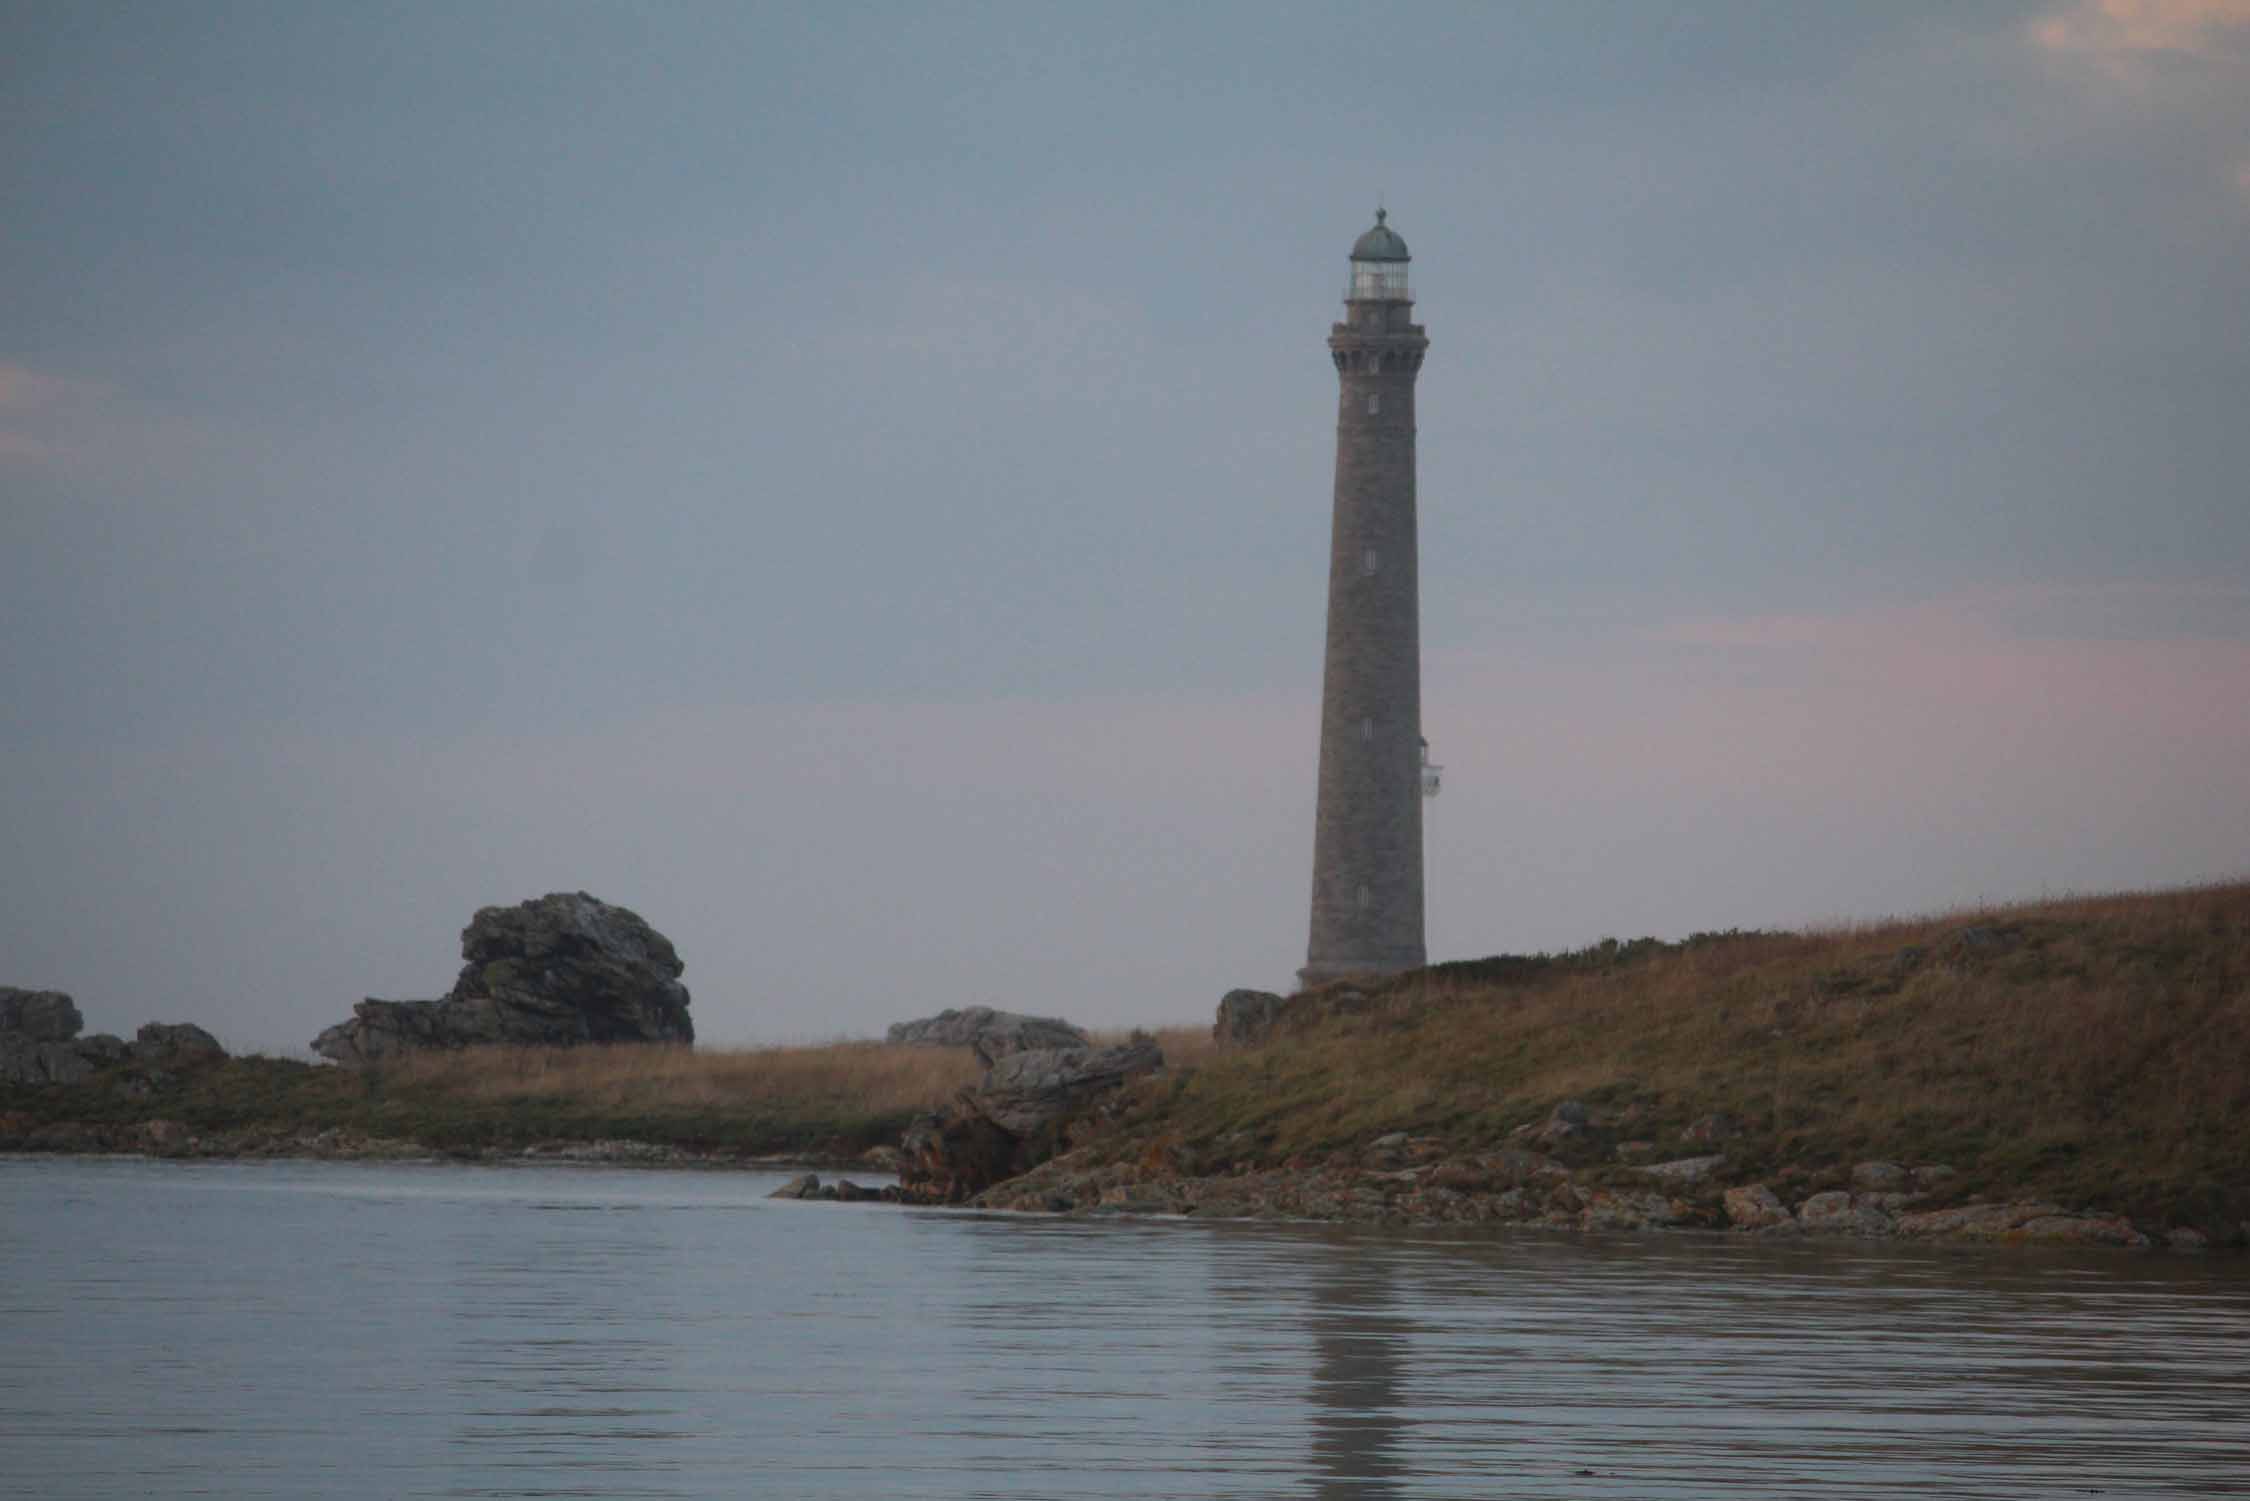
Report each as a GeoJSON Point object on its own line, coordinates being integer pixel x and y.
{"type": "Point", "coordinates": [39, 1015]}
{"type": "Point", "coordinates": [39, 1041]}
{"type": "Point", "coordinates": [2081, 1230]}
{"type": "Point", "coordinates": [1015, 1119]}
{"type": "Point", "coordinates": [1685, 1169]}
{"type": "Point", "coordinates": [175, 1045]}
{"type": "Point", "coordinates": [1026, 1092]}
{"type": "Point", "coordinates": [2027, 1220]}
{"type": "Point", "coordinates": [1975, 1221]}
{"type": "Point", "coordinates": [103, 1048]}
{"type": "Point", "coordinates": [1754, 1207]}
{"type": "Point", "coordinates": [24, 1060]}
{"type": "Point", "coordinates": [1246, 1018]}
{"type": "Point", "coordinates": [1839, 1213]}
{"type": "Point", "coordinates": [1717, 1126]}
{"type": "Point", "coordinates": [991, 1034]}
{"type": "Point", "coordinates": [559, 971]}
{"type": "Point", "coordinates": [804, 1186]}
{"type": "Point", "coordinates": [1611, 1209]}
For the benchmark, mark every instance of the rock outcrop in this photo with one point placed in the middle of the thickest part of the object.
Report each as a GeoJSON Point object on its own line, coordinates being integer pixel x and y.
{"type": "Point", "coordinates": [992, 1034]}
{"type": "Point", "coordinates": [1246, 1018]}
{"type": "Point", "coordinates": [1017, 1118]}
{"type": "Point", "coordinates": [39, 1015]}
{"type": "Point", "coordinates": [562, 970]}
{"type": "Point", "coordinates": [36, 1032]}
{"type": "Point", "coordinates": [174, 1045]}
{"type": "Point", "coordinates": [39, 1042]}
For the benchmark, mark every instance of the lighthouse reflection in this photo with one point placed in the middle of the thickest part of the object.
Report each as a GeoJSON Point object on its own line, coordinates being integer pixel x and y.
{"type": "Point", "coordinates": [1359, 1430]}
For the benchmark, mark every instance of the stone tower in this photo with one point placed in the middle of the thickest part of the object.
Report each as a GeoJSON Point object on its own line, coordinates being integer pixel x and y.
{"type": "Point", "coordinates": [1367, 834]}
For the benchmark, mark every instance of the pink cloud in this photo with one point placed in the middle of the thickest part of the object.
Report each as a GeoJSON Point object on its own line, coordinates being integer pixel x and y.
{"type": "Point", "coordinates": [2115, 28]}
{"type": "Point", "coordinates": [22, 388]}
{"type": "Point", "coordinates": [1803, 767]}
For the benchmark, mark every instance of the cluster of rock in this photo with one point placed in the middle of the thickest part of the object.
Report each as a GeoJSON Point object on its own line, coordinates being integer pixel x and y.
{"type": "Point", "coordinates": [561, 970]}
{"type": "Point", "coordinates": [1023, 1112]}
{"type": "Point", "coordinates": [842, 1191]}
{"type": "Point", "coordinates": [39, 1042]}
{"type": "Point", "coordinates": [1402, 1179]}
{"type": "Point", "coordinates": [1252, 1018]}
{"type": "Point", "coordinates": [991, 1034]}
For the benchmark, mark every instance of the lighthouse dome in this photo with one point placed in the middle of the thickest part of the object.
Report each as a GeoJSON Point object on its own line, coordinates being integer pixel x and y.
{"type": "Point", "coordinates": [1380, 243]}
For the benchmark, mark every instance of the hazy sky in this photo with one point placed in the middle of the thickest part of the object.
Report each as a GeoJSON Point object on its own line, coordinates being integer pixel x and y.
{"type": "Point", "coordinates": [852, 482]}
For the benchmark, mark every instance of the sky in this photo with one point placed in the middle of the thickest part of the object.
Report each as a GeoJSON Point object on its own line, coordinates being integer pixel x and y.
{"type": "Point", "coordinates": [851, 483]}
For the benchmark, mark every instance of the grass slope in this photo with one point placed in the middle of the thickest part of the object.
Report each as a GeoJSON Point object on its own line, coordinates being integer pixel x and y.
{"type": "Point", "coordinates": [832, 1100]}
{"type": "Point", "coordinates": [2095, 1051]}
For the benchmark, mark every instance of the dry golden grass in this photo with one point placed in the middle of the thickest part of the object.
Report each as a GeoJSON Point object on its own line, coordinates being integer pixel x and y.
{"type": "Point", "coordinates": [857, 1078]}
{"type": "Point", "coordinates": [2096, 1048]}
{"type": "Point", "coordinates": [1184, 1046]}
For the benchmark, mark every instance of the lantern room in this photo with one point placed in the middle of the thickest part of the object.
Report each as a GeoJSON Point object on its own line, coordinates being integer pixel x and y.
{"type": "Point", "coordinates": [1378, 265]}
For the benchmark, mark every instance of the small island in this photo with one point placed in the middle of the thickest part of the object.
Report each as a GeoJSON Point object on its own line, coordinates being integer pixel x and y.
{"type": "Point", "coordinates": [2061, 1072]}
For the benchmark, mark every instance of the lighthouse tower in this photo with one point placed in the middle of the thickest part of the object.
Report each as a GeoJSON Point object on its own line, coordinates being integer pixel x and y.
{"type": "Point", "coordinates": [1367, 833]}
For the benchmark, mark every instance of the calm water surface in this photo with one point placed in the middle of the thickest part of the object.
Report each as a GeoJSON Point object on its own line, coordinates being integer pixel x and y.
{"type": "Point", "coordinates": [324, 1329]}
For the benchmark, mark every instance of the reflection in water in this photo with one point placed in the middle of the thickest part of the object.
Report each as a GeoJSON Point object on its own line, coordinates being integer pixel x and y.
{"type": "Point", "coordinates": [371, 1331]}
{"type": "Point", "coordinates": [1358, 1396]}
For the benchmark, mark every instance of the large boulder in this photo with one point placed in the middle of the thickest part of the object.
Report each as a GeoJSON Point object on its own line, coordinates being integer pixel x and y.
{"type": "Point", "coordinates": [1026, 1093]}
{"type": "Point", "coordinates": [1015, 1119]}
{"type": "Point", "coordinates": [175, 1045]}
{"type": "Point", "coordinates": [1246, 1018]}
{"type": "Point", "coordinates": [561, 970]}
{"type": "Point", "coordinates": [992, 1034]}
{"type": "Point", "coordinates": [39, 1015]}
{"type": "Point", "coordinates": [39, 1042]}
{"type": "Point", "coordinates": [37, 1032]}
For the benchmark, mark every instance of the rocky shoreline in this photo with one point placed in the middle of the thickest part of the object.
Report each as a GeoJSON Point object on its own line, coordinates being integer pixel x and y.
{"type": "Point", "coordinates": [1409, 1183]}
{"type": "Point", "coordinates": [1400, 1181]}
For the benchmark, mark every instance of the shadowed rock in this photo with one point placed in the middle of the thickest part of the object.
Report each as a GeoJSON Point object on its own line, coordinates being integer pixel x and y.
{"type": "Point", "coordinates": [39, 1015]}
{"type": "Point", "coordinates": [561, 970]}
{"type": "Point", "coordinates": [38, 1032]}
{"type": "Point", "coordinates": [1015, 1119]}
{"type": "Point", "coordinates": [1246, 1018]}
{"type": "Point", "coordinates": [174, 1045]}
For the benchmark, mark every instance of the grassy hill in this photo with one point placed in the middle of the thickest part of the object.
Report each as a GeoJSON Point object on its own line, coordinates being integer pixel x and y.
{"type": "Point", "coordinates": [2094, 1051]}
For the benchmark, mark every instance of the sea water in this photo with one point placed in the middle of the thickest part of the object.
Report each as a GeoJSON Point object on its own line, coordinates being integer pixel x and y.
{"type": "Point", "coordinates": [426, 1330]}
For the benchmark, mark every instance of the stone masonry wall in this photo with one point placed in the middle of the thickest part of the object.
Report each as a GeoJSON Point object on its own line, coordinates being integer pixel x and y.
{"type": "Point", "coordinates": [1367, 840]}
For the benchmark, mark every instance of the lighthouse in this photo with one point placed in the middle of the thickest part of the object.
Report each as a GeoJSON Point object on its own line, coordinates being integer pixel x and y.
{"type": "Point", "coordinates": [1374, 764]}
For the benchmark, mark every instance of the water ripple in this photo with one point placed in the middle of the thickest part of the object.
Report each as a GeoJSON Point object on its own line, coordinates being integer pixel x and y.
{"type": "Point", "coordinates": [430, 1330]}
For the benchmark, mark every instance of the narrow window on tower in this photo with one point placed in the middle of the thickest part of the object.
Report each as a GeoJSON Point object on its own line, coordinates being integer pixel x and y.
{"type": "Point", "coordinates": [1369, 562]}
{"type": "Point", "coordinates": [1364, 898]}
{"type": "Point", "coordinates": [1367, 729]}
{"type": "Point", "coordinates": [1374, 402]}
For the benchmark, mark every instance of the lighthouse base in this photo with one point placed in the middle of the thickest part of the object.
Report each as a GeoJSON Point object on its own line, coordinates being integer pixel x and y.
{"type": "Point", "coordinates": [1324, 971]}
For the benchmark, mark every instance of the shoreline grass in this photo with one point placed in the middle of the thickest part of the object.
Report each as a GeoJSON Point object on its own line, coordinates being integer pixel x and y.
{"type": "Point", "coordinates": [2092, 1048]}
{"type": "Point", "coordinates": [2095, 1049]}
